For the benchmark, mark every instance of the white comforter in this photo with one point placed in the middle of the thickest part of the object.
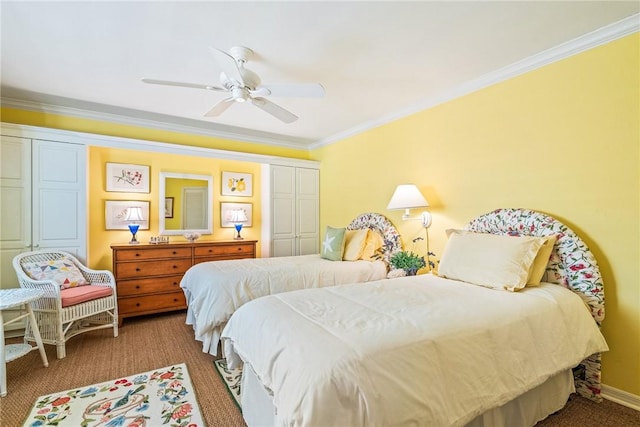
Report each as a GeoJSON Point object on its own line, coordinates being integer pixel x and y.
{"type": "Point", "coordinates": [215, 290]}
{"type": "Point", "coordinates": [411, 351]}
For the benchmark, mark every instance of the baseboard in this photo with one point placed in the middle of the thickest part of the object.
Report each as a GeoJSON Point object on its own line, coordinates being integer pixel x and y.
{"type": "Point", "coordinates": [621, 397]}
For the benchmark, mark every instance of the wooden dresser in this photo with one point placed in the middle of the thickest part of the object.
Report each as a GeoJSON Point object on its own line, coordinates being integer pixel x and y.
{"type": "Point", "coordinates": [148, 276]}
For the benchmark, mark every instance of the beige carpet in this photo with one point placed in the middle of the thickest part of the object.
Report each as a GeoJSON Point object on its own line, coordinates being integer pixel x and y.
{"type": "Point", "coordinates": [149, 342]}
{"type": "Point", "coordinates": [144, 343]}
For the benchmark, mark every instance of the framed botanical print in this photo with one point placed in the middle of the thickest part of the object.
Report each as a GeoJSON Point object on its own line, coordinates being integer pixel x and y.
{"type": "Point", "coordinates": [237, 184]}
{"type": "Point", "coordinates": [116, 213]}
{"type": "Point", "coordinates": [127, 178]}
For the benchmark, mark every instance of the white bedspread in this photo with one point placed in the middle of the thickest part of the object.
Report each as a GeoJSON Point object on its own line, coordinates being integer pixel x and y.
{"type": "Point", "coordinates": [411, 351]}
{"type": "Point", "coordinates": [215, 290]}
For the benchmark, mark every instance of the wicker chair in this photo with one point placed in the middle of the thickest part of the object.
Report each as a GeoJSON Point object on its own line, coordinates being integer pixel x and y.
{"type": "Point", "coordinates": [57, 324]}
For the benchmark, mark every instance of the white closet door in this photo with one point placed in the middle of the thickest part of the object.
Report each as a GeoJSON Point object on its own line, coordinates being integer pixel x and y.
{"type": "Point", "coordinates": [308, 210]}
{"type": "Point", "coordinates": [15, 205]}
{"type": "Point", "coordinates": [59, 197]}
{"type": "Point", "coordinates": [283, 218]}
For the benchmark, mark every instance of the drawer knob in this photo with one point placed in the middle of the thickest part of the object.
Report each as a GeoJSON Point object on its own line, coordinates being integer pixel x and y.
{"type": "Point", "coordinates": [175, 300]}
{"type": "Point", "coordinates": [175, 266]}
{"type": "Point", "coordinates": [210, 250]}
{"type": "Point", "coordinates": [137, 254]}
{"type": "Point", "coordinates": [175, 283]}
{"type": "Point", "coordinates": [174, 252]}
{"type": "Point", "coordinates": [137, 304]}
{"type": "Point", "coordinates": [137, 286]}
{"type": "Point", "coordinates": [239, 249]}
{"type": "Point", "coordinates": [137, 269]}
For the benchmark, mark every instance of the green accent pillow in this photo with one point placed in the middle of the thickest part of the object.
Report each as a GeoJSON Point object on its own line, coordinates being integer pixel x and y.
{"type": "Point", "coordinates": [333, 244]}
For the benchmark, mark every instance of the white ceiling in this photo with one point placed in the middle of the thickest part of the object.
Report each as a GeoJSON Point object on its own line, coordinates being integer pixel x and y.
{"type": "Point", "coordinates": [376, 60]}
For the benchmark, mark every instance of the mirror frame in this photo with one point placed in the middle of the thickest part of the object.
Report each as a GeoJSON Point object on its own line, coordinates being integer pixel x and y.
{"type": "Point", "coordinates": [161, 196]}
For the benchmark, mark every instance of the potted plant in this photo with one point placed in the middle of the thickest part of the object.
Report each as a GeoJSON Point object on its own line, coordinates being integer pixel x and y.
{"type": "Point", "coordinates": [407, 261]}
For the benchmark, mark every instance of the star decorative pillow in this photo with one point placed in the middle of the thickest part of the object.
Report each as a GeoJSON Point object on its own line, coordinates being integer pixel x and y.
{"type": "Point", "coordinates": [333, 244]}
{"type": "Point", "coordinates": [62, 271]}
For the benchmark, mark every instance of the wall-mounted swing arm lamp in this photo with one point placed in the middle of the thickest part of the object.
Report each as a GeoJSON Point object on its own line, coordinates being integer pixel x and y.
{"type": "Point", "coordinates": [408, 196]}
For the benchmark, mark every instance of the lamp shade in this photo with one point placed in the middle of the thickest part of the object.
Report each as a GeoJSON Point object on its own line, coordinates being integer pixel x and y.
{"type": "Point", "coordinates": [134, 214]}
{"type": "Point", "coordinates": [407, 196]}
{"type": "Point", "coordinates": [238, 215]}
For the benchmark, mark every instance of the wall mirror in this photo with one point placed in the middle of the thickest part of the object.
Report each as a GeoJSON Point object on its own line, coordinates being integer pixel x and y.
{"type": "Point", "coordinates": [186, 203]}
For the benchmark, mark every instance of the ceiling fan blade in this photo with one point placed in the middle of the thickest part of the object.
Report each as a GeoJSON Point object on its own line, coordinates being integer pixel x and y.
{"type": "Point", "coordinates": [227, 63]}
{"type": "Point", "coordinates": [183, 84]}
{"type": "Point", "coordinates": [301, 90]}
{"type": "Point", "coordinates": [220, 107]}
{"type": "Point", "coordinates": [275, 110]}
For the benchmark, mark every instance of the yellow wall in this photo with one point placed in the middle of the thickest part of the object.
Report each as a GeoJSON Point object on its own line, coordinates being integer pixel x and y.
{"type": "Point", "coordinates": [99, 251]}
{"type": "Point", "coordinates": [562, 139]}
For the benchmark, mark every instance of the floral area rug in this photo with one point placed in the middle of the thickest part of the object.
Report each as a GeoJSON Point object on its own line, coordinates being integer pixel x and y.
{"type": "Point", "coordinates": [163, 397]}
{"type": "Point", "coordinates": [231, 378]}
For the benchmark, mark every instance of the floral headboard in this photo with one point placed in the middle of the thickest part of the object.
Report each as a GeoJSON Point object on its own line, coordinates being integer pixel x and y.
{"type": "Point", "coordinates": [571, 265]}
{"type": "Point", "coordinates": [381, 224]}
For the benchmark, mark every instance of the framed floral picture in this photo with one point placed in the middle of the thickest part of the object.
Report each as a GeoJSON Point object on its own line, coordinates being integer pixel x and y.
{"type": "Point", "coordinates": [127, 178]}
{"type": "Point", "coordinates": [168, 207]}
{"type": "Point", "coordinates": [116, 213]}
{"type": "Point", "coordinates": [237, 184]}
{"type": "Point", "coordinates": [232, 212]}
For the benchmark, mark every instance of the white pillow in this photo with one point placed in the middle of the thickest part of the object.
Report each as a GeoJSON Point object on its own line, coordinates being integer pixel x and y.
{"type": "Point", "coordinates": [490, 260]}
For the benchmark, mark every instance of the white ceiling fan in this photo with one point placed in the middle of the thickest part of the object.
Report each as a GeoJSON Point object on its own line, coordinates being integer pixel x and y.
{"type": "Point", "coordinates": [245, 85]}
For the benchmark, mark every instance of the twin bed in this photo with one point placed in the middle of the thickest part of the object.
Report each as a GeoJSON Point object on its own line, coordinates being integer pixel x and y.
{"type": "Point", "coordinates": [215, 290]}
{"type": "Point", "coordinates": [426, 350]}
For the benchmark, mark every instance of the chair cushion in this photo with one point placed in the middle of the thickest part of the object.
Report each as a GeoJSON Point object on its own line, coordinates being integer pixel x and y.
{"type": "Point", "coordinates": [62, 271]}
{"type": "Point", "coordinates": [80, 294]}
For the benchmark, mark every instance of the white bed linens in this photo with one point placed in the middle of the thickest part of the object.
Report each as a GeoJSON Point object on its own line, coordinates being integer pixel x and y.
{"type": "Point", "coordinates": [417, 350]}
{"type": "Point", "coordinates": [215, 290]}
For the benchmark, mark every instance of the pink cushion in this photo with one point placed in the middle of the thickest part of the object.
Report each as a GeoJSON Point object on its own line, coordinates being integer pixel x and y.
{"type": "Point", "coordinates": [80, 294]}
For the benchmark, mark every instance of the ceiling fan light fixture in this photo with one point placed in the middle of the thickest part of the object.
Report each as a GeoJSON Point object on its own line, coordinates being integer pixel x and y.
{"type": "Point", "coordinates": [239, 94]}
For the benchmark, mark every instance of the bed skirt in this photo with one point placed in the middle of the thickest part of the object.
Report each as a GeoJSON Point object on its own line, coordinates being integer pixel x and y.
{"type": "Point", "coordinates": [526, 410]}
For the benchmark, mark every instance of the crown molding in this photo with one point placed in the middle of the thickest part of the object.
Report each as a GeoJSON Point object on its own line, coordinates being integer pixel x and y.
{"type": "Point", "coordinates": [606, 34]}
{"type": "Point", "coordinates": [90, 139]}
{"type": "Point", "coordinates": [155, 121]}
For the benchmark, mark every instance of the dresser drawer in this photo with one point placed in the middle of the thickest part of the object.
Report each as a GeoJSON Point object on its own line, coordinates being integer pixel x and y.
{"type": "Point", "coordinates": [243, 249]}
{"type": "Point", "coordinates": [153, 253]}
{"type": "Point", "coordinates": [136, 287]}
{"type": "Point", "coordinates": [151, 303]}
{"type": "Point", "coordinates": [127, 270]}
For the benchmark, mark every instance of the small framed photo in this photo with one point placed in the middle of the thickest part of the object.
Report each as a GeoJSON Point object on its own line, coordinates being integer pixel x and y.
{"type": "Point", "coordinates": [127, 178]}
{"type": "Point", "coordinates": [168, 207]}
{"type": "Point", "coordinates": [229, 213]}
{"type": "Point", "coordinates": [116, 211]}
{"type": "Point", "coordinates": [237, 184]}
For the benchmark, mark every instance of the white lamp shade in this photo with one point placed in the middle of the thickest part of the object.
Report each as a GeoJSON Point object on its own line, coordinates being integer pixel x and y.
{"type": "Point", "coordinates": [407, 196]}
{"type": "Point", "coordinates": [134, 214]}
{"type": "Point", "coordinates": [238, 215]}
